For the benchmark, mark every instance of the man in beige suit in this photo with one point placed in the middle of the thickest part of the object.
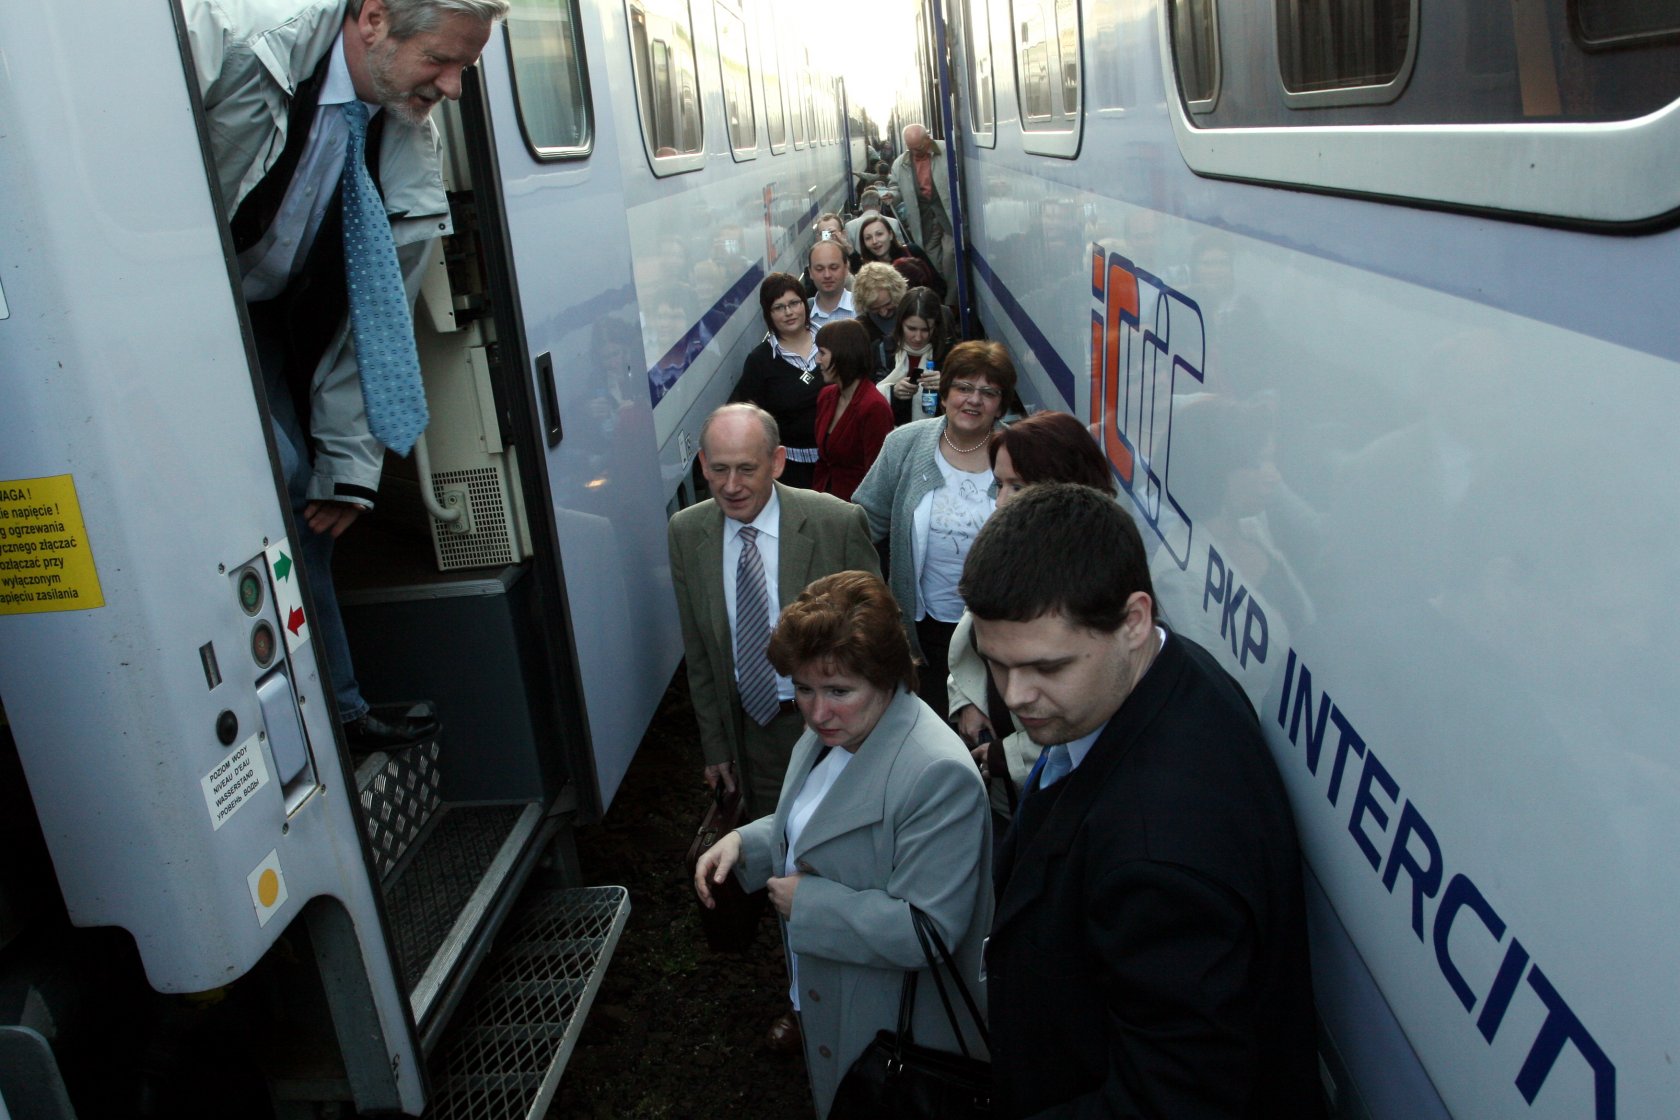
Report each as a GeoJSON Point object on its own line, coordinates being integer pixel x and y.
{"type": "Point", "coordinates": [794, 536]}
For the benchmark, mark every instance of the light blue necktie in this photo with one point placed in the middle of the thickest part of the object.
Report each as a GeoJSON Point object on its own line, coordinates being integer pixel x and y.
{"type": "Point", "coordinates": [752, 634]}
{"type": "Point", "coordinates": [1057, 764]}
{"type": "Point", "coordinates": [379, 314]}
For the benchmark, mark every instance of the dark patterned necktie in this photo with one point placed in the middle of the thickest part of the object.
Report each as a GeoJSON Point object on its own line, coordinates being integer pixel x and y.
{"type": "Point", "coordinates": [379, 314]}
{"type": "Point", "coordinates": [752, 634]}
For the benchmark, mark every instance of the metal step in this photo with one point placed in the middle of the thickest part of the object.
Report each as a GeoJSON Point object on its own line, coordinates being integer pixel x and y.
{"type": "Point", "coordinates": [504, 1054]}
{"type": "Point", "coordinates": [400, 792]}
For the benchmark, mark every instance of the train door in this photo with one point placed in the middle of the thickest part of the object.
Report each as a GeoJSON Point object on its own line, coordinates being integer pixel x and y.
{"type": "Point", "coordinates": [567, 316]}
{"type": "Point", "coordinates": [156, 662]}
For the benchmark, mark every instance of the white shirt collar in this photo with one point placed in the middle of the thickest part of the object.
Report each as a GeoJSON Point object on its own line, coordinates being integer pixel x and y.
{"type": "Point", "coordinates": [768, 522]}
{"type": "Point", "coordinates": [338, 88]}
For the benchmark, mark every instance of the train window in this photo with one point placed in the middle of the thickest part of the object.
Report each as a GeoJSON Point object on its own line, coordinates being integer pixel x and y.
{"type": "Point", "coordinates": [737, 83]}
{"type": "Point", "coordinates": [1601, 23]}
{"type": "Point", "coordinates": [976, 26]}
{"type": "Point", "coordinates": [1195, 31]}
{"type": "Point", "coordinates": [1480, 104]}
{"type": "Point", "coordinates": [667, 84]}
{"type": "Point", "coordinates": [1345, 52]}
{"type": "Point", "coordinates": [770, 77]}
{"type": "Point", "coordinates": [1047, 74]}
{"type": "Point", "coordinates": [550, 84]}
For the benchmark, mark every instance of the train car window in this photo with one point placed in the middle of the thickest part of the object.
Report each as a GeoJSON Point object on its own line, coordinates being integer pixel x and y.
{"type": "Point", "coordinates": [667, 84]}
{"type": "Point", "coordinates": [737, 83]}
{"type": "Point", "coordinates": [1558, 109]}
{"type": "Point", "coordinates": [550, 84]}
{"type": "Point", "coordinates": [1047, 75]}
{"type": "Point", "coordinates": [975, 25]}
{"type": "Point", "coordinates": [1195, 31]}
{"type": "Point", "coordinates": [1345, 52]}
{"type": "Point", "coordinates": [1602, 23]}
{"type": "Point", "coordinates": [770, 77]}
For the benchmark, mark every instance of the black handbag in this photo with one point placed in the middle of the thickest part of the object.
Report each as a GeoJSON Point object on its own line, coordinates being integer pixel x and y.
{"type": "Point", "coordinates": [897, 1079]}
{"type": "Point", "coordinates": [731, 925]}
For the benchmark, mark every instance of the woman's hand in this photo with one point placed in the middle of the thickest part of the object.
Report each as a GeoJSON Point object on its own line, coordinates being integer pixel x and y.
{"type": "Point", "coordinates": [781, 892]}
{"type": "Point", "coordinates": [930, 379]}
{"type": "Point", "coordinates": [718, 861]}
{"type": "Point", "coordinates": [970, 722]}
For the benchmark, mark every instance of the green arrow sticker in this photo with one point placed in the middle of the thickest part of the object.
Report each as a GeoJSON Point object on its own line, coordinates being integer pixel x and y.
{"type": "Point", "coordinates": [282, 566]}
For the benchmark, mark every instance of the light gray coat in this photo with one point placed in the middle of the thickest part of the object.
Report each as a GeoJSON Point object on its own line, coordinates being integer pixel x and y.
{"type": "Point", "coordinates": [906, 822]}
{"type": "Point", "coordinates": [904, 473]}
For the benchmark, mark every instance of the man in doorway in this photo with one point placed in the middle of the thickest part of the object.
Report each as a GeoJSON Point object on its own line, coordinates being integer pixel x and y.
{"type": "Point", "coordinates": [293, 89]}
{"type": "Point", "coordinates": [826, 265]}
{"type": "Point", "coordinates": [918, 178]}
{"type": "Point", "coordinates": [1148, 956]}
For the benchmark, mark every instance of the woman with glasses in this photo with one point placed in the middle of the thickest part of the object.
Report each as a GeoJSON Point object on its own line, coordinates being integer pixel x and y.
{"type": "Point", "coordinates": [781, 377]}
{"type": "Point", "coordinates": [929, 492]}
{"type": "Point", "coordinates": [876, 293]}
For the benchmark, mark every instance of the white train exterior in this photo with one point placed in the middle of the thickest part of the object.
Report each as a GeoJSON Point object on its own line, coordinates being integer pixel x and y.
{"type": "Point", "coordinates": [622, 175]}
{"type": "Point", "coordinates": [1378, 343]}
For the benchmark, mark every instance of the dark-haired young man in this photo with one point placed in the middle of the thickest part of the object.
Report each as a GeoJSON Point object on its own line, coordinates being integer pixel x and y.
{"type": "Point", "coordinates": [1148, 956]}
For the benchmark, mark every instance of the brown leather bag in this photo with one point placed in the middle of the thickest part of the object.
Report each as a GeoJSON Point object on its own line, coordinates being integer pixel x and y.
{"type": "Point", "coordinates": [730, 925]}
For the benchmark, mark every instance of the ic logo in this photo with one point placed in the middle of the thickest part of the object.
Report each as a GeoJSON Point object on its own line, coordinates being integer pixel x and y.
{"type": "Point", "coordinates": [1144, 336]}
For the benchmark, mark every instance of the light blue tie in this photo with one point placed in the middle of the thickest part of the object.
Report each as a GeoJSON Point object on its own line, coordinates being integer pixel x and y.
{"type": "Point", "coordinates": [752, 634]}
{"type": "Point", "coordinates": [379, 314]}
{"type": "Point", "coordinates": [1057, 763]}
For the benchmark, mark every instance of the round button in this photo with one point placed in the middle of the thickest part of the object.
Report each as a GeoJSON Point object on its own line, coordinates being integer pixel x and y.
{"type": "Point", "coordinates": [263, 644]}
{"type": "Point", "coordinates": [227, 728]}
{"type": "Point", "coordinates": [250, 591]}
{"type": "Point", "coordinates": [825, 1051]}
{"type": "Point", "coordinates": [815, 998]}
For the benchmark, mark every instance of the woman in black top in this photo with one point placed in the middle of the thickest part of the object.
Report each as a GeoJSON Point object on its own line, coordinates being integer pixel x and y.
{"type": "Point", "coordinates": [876, 244]}
{"type": "Point", "coordinates": [781, 377]}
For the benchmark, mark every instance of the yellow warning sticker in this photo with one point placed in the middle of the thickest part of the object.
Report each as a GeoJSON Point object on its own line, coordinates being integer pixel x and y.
{"type": "Point", "coordinates": [46, 563]}
{"type": "Point", "coordinates": [268, 887]}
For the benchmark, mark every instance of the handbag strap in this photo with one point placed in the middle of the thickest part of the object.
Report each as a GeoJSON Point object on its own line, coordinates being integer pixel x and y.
{"type": "Point", "coordinates": [928, 934]}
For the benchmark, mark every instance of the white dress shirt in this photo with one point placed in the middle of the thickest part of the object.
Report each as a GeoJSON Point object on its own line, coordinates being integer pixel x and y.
{"type": "Point", "coordinates": [769, 524]}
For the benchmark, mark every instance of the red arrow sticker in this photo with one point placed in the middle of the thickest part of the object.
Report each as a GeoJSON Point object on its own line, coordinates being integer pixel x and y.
{"type": "Point", "coordinates": [294, 621]}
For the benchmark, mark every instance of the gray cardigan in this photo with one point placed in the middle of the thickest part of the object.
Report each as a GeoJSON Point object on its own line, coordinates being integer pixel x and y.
{"type": "Point", "coordinates": [904, 473]}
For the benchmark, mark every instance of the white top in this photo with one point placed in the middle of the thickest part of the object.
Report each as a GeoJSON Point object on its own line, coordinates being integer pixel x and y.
{"type": "Point", "coordinates": [269, 265]}
{"type": "Point", "coordinates": [769, 524]}
{"type": "Point", "coordinates": [845, 309]}
{"type": "Point", "coordinates": [955, 513]}
{"type": "Point", "coordinates": [817, 784]}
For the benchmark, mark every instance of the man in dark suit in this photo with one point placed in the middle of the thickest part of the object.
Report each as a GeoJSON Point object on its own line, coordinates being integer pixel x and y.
{"type": "Point", "coordinates": [800, 536]}
{"type": "Point", "coordinates": [1148, 956]}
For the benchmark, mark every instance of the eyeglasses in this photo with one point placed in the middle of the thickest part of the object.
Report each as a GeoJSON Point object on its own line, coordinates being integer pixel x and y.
{"type": "Point", "coordinates": [969, 388]}
{"type": "Point", "coordinates": [784, 308]}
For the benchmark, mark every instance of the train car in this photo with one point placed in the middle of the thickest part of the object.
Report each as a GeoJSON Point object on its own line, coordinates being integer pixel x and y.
{"type": "Point", "coordinates": [238, 916]}
{"type": "Point", "coordinates": [1366, 304]}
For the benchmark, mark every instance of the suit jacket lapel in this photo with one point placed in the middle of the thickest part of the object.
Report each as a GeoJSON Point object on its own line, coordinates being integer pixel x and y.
{"type": "Point", "coordinates": [859, 799]}
{"type": "Point", "coordinates": [794, 549]}
{"type": "Point", "coordinates": [710, 556]}
{"type": "Point", "coordinates": [1085, 785]}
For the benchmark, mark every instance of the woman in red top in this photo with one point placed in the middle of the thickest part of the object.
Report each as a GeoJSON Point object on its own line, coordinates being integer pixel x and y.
{"type": "Point", "coordinates": [852, 418]}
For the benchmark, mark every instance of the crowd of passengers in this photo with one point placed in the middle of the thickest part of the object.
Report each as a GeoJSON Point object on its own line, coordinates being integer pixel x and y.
{"type": "Point", "coordinates": [923, 648]}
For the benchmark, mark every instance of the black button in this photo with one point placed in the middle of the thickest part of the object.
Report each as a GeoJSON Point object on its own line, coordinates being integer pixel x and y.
{"type": "Point", "coordinates": [227, 728]}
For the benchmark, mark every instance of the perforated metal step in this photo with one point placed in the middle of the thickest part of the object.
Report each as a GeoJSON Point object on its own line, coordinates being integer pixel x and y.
{"type": "Point", "coordinates": [503, 1058]}
{"type": "Point", "coordinates": [400, 792]}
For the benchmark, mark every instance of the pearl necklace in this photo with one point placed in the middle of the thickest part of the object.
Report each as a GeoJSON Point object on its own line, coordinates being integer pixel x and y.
{"type": "Point", "coordinates": [964, 450]}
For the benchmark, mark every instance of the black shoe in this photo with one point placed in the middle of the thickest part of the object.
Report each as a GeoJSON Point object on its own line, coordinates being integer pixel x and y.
{"type": "Point", "coordinates": [390, 730]}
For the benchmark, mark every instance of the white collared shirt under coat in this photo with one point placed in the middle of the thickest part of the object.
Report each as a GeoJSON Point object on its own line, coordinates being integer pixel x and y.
{"type": "Point", "coordinates": [906, 822]}
{"type": "Point", "coordinates": [769, 526]}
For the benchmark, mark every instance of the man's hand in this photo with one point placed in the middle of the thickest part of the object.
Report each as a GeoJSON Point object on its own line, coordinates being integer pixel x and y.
{"type": "Point", "coordinates": [721, 771]}
{"type": "Point", "coordinates": [331, 517]}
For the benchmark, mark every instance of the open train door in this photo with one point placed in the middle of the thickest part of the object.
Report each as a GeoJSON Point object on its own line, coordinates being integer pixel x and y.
{"type": "Point", "coordinates": [555, 236]}
{"type": "Point", "coordinates": [156, 660]}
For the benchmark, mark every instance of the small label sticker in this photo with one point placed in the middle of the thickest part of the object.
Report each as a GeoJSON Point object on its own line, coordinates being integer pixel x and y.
{"type": "Point", "coordinates": [234, 781]}
{"type": "Point", "coordinates": [288, 595]}
{"type": "Point", "coordinates": [45, 561]}
{"type": "Point", "coordinates": [268, 887]}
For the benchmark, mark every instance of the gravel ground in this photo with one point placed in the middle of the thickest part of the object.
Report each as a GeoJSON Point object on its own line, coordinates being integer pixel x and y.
{"type": "Point", "coordinates": [677, 1030]}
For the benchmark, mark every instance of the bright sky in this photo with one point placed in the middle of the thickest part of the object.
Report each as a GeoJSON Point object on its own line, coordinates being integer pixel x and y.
{"type": "Point", "coordinates": [873, 48]}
